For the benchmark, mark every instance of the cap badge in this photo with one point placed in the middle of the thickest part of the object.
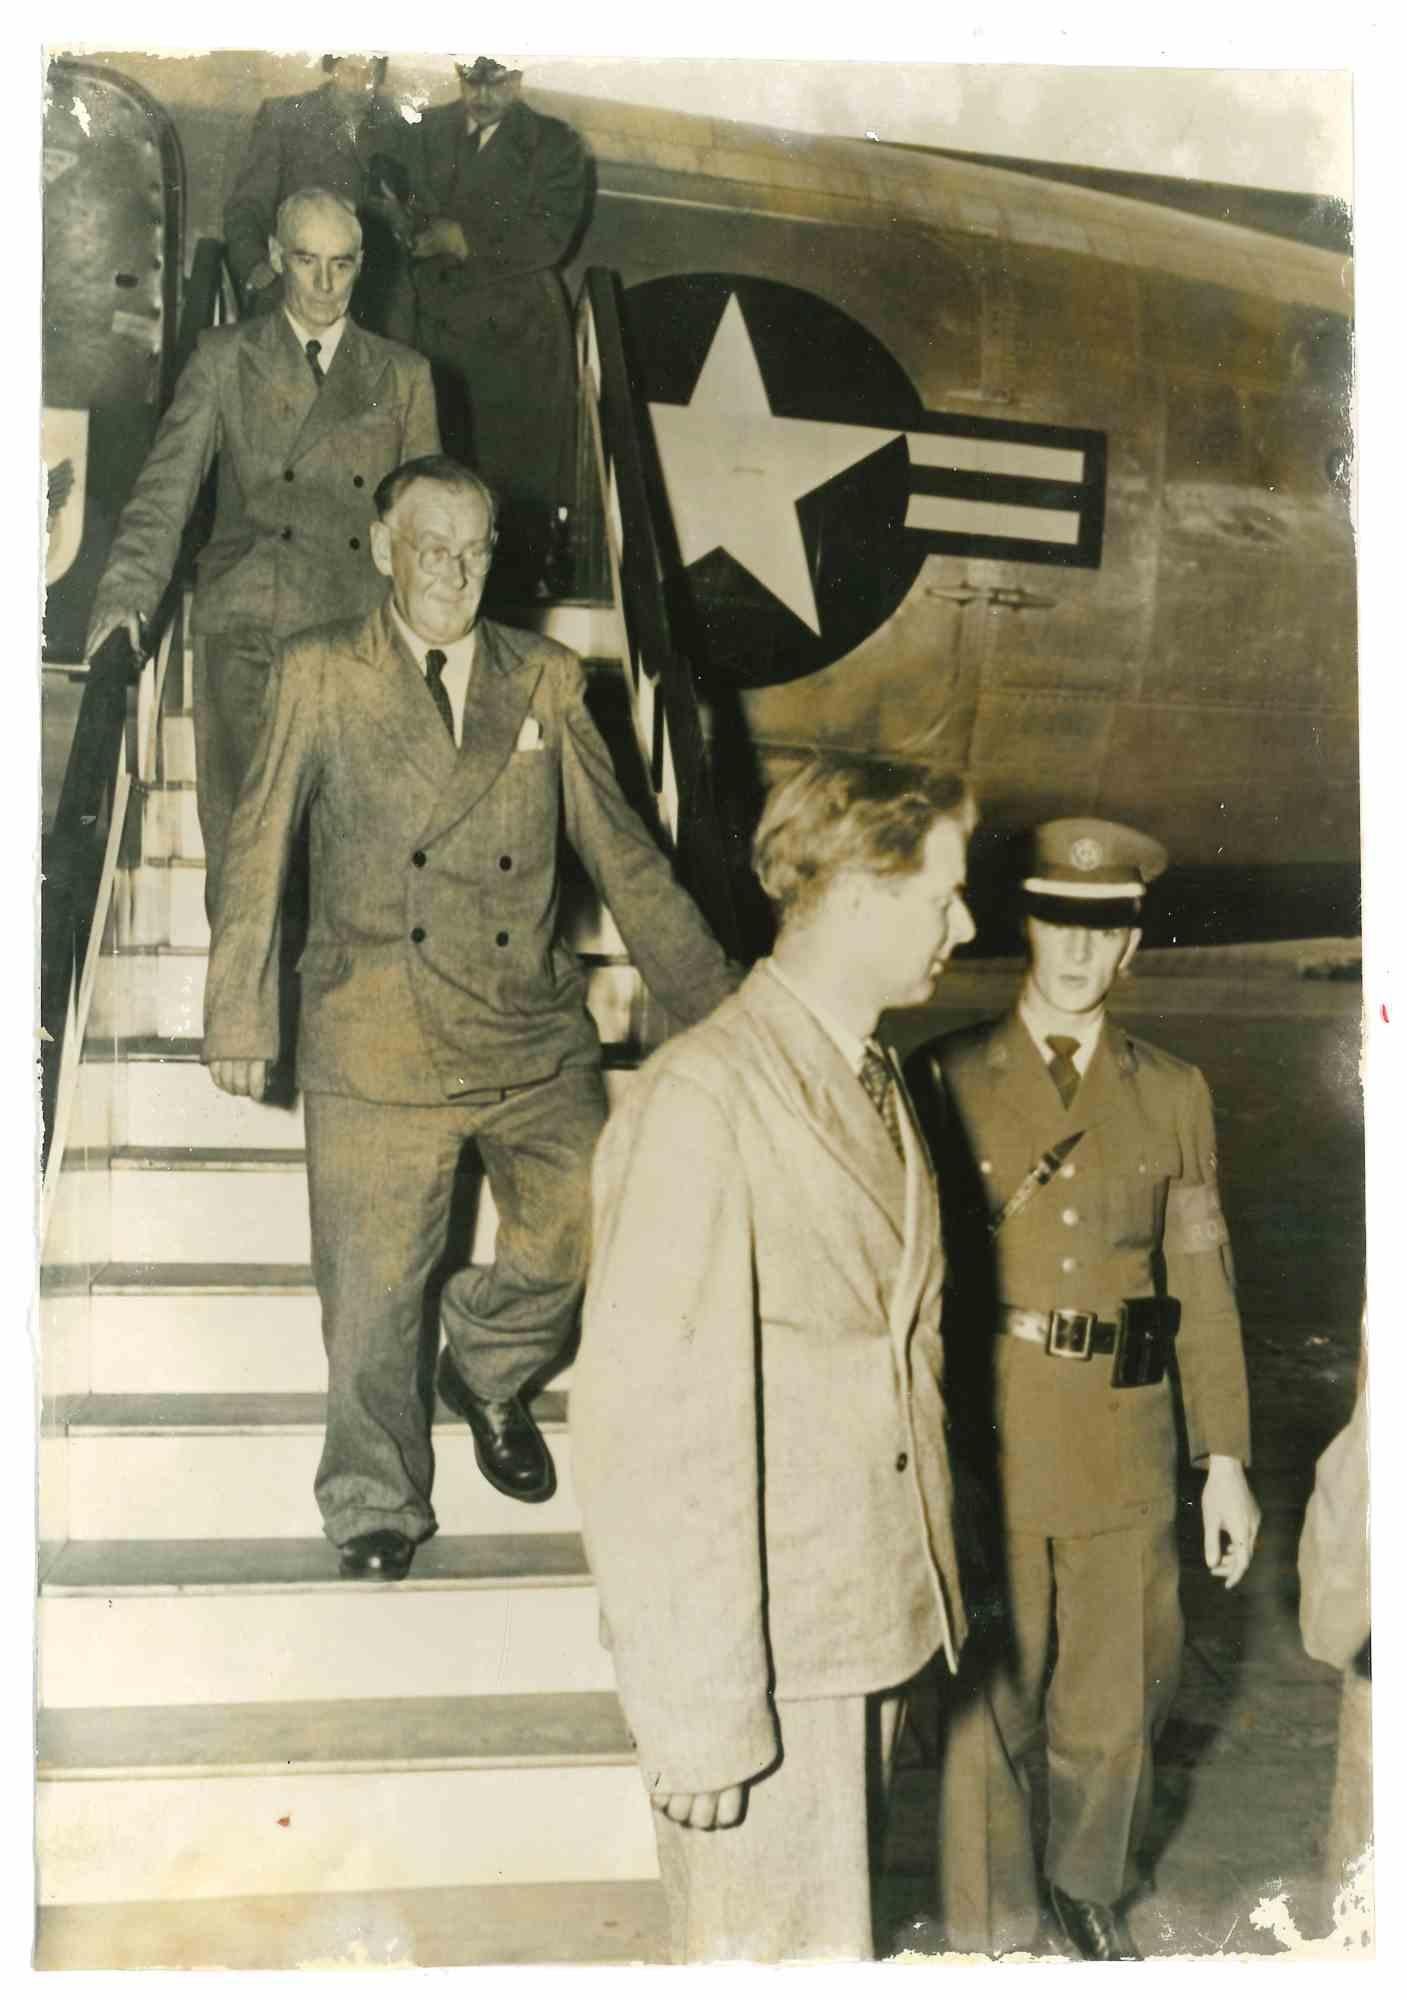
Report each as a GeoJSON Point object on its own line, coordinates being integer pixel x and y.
{"type": "Point", "coordinates": [1086, 853]}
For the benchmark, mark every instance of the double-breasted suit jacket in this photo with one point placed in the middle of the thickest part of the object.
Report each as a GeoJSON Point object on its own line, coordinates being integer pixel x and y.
{"type": "Point", "coordinates": [498, 318]}
{"type": "Point", "coordinates": [298, 466]}
{"type": "Point", "coordinates": [757, 1424]}
{"type": "Point", "coordinates": [433, 967]}
{"type": "Point", "coordinates": [1133, 1211]}
{"type": "Point", "coordinates": [321, 139]}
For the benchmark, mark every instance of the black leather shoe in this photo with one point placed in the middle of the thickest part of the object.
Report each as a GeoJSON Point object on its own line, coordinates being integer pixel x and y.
{"type": "Point", "coordinates": [384, 1553]}
{"type": "Point", "coordinates": [1094, 1929]}
{"type": "Point", "coordinates": [511, 1451]}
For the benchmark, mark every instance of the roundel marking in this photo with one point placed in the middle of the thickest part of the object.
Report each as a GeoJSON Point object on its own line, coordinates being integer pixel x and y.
{"type": "Point", "coordinates": [780, 430]}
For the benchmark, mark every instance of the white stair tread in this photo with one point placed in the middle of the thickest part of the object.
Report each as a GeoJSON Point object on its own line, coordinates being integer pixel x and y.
{"type": "Point", "coordinates": [553, 1923]}
{"type": "Point", "coordinates": [295, 1737]}
{"type": "Point", "coordinates": [159, 1569]}
{"type": "Point", "coordinates": [117, 1280]}
{"type": "Point", "coordinates": [164, 1416]}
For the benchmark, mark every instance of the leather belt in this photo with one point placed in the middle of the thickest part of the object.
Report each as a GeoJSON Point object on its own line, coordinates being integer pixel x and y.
{"type": "Point", "coordinates": [1069, 1336]}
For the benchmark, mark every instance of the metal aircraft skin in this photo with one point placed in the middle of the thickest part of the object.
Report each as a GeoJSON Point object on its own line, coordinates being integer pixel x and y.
{"type": "Point", "coordinates": [963, 464]}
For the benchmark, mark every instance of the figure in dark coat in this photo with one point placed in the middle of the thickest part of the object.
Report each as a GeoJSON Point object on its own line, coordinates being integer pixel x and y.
{"type": "Point", "coordinates": [346, 137]}
{"type": "Point", "coordinates": [500, 194]}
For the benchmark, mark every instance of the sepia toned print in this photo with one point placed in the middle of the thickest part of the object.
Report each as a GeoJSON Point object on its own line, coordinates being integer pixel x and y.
{"type": "Point", "coordinates": [796, 446]}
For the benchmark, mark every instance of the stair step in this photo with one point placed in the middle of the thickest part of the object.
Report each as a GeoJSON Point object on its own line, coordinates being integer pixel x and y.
{"type": "Point", "coordinates": [146, 1624]}
{"type": "Point", "coordinates": [170, 822]}
{"type": "Point", "coordinates": [207, 1467]}
{"type": "Point", "coordinates": [559, 1923]}
{"type": "Point", "coordinates": [333, 1795]}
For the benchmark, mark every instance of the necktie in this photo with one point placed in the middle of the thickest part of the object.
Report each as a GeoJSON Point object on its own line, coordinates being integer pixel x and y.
{"type": "Point", "coordinates": [313, 350]}
{"type": "Point", "coordinates": [878, 1080]}
{"type": "Point", "coordinates": [1063, 1073]}
{"type": "Point", "coordinates": [435, 662]}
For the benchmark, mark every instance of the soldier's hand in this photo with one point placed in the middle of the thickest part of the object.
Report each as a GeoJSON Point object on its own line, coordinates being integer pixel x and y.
{"type": "Point", "coordinates": [240, 1076]}
{"type": "Point", "coordinates": [704, 1811]}
{"type": "Point", "coordinates": [1228, 1508]}
{"type": "Point", "coordinates": [103, 628]}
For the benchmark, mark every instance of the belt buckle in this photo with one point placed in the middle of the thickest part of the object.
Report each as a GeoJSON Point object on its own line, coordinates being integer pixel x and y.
{"type": "Point", "coordinates": [1069, 1335]}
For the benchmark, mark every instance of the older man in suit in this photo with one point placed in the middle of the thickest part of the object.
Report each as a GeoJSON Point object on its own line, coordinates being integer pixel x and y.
{"type": "Point", "coordinates": [437, 755]}
{"type": "Point", "coordinates": [500, 193]}
{"type": "Point", "coordinates": [306, 413]}
{"type": "Point", "coordinates": [1091, 1236]}
{"type": "Point", "coordinates": [756, 1415]}
{"type": "Point", "coordinates": [348, 137]}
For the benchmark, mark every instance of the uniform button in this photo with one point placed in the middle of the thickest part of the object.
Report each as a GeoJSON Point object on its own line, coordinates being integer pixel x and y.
{"type": "Point", "coordinates": [1069, 1264]}
{"type": "Point", "coordinates": [417, 936]}
{"type": "Point", "coordinates": [505, 862]}
{"type": "Point", "coordinates": [357, 479]}
{"type": "Point", "coordinates": [986, 1166]}
{"type": "Point", "coordinates": [901, 1461]}
{"type": "Point", "coordinates": [1143, 1166]}
{"type": "Point", "coordinates": [287, 535]}
{"type": "Point", "coordinates": [288, 474]}
{"type": "Point", "coordinates": [354, 543]}
{"type": "Point", "coordinates": [419, 857]}
{"type": "Point", "coordinates": [1067, 1172]}
{"type": "Point", "coordinates": [1069, 1216]}
{"type": "Point", "coordinates": [502, 938]}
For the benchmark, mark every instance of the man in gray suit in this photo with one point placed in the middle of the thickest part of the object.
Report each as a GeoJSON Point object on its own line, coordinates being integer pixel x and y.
{"type": "Point", "coordinates": [757, 1424]}
{"type": "Point", "coordinates": [437, 754]}
{"type": "Point", "coordinates": [306, 413]}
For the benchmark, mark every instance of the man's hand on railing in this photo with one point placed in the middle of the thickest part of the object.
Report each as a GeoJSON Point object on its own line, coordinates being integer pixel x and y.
{"type": "Point", "coordinates": [103, 628]}
{"type": "Point", "coordinates": [240, 1076]}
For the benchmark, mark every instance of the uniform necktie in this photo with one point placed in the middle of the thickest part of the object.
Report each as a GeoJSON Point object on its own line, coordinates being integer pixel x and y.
{"type": "Point", "coordinates": [313, 350]}
{"type": "Point", "coordinates": [883, 1092]}
{"type": "Point", "coordinates": [1063, 1072]}
{"type": "Point", "coordinates": [435, 663]}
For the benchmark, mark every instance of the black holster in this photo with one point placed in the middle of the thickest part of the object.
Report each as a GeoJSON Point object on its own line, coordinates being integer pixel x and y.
{"type": "Point", "coordinates": [1147, 1329]}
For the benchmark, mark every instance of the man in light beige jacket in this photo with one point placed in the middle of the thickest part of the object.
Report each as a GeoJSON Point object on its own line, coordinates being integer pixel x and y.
{"type": "Point", "coordinates": [757, 1423]}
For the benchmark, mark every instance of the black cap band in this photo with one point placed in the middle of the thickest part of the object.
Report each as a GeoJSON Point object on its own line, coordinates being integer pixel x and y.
{"type": "Point", "coordinates": [1086, 913]}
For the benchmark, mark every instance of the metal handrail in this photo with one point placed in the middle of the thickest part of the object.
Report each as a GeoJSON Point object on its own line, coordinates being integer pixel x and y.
{"type": "Point", "coordinates": [660, 678]}
{"type": "Point", "coordinates": [99, 771]}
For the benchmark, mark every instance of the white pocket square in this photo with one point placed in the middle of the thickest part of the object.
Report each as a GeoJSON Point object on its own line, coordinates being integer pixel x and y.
{"type": "Point", "coordinates": [530, 735]}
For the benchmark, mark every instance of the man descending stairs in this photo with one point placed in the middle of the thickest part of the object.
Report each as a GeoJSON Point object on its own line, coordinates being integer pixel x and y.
{"type": "Point", "coordinates": [245, 1760]}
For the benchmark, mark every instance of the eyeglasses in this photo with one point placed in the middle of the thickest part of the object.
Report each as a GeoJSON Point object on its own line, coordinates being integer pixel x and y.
{"type": "Point", "coordinates": [435, 559]}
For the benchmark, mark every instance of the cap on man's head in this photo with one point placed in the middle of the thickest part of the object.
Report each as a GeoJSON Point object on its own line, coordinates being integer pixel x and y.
{"type": "Point", "coordinates": [484, 69]}
{"type": "Point", "coordinates": [1090, 872]}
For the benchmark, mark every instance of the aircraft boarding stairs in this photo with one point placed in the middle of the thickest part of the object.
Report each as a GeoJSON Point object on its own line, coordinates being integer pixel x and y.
{"type": "Point", "coordinates": [244, 1760]}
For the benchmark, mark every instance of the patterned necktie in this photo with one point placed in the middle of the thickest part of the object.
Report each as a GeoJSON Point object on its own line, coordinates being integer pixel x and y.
{"type": "Point", "coordinates": [313, 349]}
{"type": "Point", "coordinates": [1063, 1073]}
{"type": "Point", "coordinates": [879, 1085]}
{"type": "Point", "coordinates": [435, 663]}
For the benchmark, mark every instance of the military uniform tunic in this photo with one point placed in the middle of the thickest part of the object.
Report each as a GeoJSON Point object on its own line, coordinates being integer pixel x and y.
{"type": "Point", "coordinates": [1085, 1472]}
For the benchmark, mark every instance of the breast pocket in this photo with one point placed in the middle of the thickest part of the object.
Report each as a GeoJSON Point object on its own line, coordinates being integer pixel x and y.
{"type": "Point", "coordinates": [1140, 1194]}
{"type": "Point", "coordinates": [528, 806]}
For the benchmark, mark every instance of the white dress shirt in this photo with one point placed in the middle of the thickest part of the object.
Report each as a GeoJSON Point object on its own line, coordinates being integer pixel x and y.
{"type": "Point", "coordinates": [329, 338]}
{"type": "Point", "coordinates": [459, 665]}
{"type": "Point", "coordinates": [1039, 1020]}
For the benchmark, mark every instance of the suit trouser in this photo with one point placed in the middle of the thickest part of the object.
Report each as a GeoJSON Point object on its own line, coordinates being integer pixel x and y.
{"type": "Point", "coordinates": [1112, 1600]}
{"type": "Point", "coordinates": [231, 684]}
{"type": "Point", "coordinates": [792, 1879]}
{"type": "Point", "coordinates": [380, 1181]}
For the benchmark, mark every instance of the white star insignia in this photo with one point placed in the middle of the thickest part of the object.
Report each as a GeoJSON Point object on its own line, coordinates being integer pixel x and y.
{"type": "Point", "coordinates": [734, 472]}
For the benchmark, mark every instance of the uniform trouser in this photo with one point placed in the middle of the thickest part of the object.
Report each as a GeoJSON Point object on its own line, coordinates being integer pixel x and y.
{"type": "Point", "coordinates": [1112, 1601]}
{"type": "Point", "coordinates": [380, 1180]}
{"type": "Point", "coordinates": [792, 1879]}
{"type": "Point", "coordinates": [231, 684]}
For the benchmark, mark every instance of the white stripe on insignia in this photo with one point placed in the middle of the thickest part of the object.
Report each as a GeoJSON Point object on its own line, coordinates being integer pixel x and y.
{"type": "Point", "coordinates": [1020, 461]}
{"type": "Point", "coordinates": [942, 516]}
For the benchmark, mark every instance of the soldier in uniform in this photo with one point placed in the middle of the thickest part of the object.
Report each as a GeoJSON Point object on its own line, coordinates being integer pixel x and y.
{"type": "Point", "coordinates": [1093, 1249]}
